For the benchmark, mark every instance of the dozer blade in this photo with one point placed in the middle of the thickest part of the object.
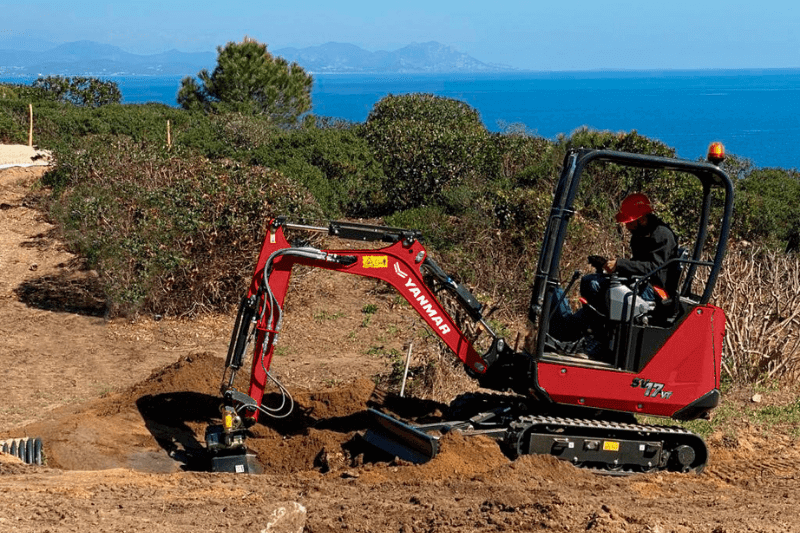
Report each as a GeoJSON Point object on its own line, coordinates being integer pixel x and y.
{"type": "Point", "coordinates": [400, 439]}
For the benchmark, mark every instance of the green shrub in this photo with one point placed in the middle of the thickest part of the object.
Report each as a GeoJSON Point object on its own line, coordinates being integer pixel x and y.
{"type": "Point", "coordinates": [524, 159]}
{"type": "Point", "coordinates": [9, 133]}
{"type": "Point", "coordinates": [621, 141]}
{"type": "Point", "coordinates": [7, 92]}
{"type": "Point", "coordinates": [169, 232]}
{"type": "Point", "coordinates": [225, 135]}
{"type": "Point", "coordinates": [768, 206]}
{"type": "Point", "coordinates": [14, 121]}
{"type": "Point", "coordinates": [335, 164]}
{"type": "Point", "coordinates": [438, 229]}
{"type": "Point", "coordinates": [426, 144]}
{"type": "Point", "coordinates": [60, 123]}
{"type": "Point", "coordinates": [605, 185]}
{"type": "Point", "coordinates": [79, 90]}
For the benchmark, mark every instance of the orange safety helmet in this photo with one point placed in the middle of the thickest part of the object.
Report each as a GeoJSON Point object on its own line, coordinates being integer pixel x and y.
{"type": "Point", "coordinates": [633, 208]}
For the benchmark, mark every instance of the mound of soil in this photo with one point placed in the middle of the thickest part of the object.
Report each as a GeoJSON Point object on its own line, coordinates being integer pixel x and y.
{"type": "Point", "coordinates": [137, 427]}
{"type": "Point", "coordinates": [158, 424]}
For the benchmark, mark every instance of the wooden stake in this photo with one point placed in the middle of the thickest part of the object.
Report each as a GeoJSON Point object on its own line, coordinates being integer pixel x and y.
{"type": "Point", "coordinates": [169, 136]}
{"type": "Point", "coordinates": [30, 126]}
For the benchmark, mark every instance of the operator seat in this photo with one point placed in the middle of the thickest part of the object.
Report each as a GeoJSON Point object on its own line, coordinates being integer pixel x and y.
{"type": "Point", "coordinates": [669, 307]}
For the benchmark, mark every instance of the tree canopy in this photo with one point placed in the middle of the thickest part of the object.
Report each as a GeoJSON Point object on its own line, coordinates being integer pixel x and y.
{"type": "Point", "coordinates": [79, 90]}
{"type": "Point", "coordinates": [251, 81]}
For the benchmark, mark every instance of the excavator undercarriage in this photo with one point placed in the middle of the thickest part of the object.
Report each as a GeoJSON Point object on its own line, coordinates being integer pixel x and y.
{"type": "Point", "coordinates": [603, 443]}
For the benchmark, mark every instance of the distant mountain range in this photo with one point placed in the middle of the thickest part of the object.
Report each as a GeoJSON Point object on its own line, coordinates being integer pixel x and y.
{"type": "Point", "coordinates": [95, 59]}
{"type": "Point", "coordinates": [90, 58]}
{"type": "Point", "coordinates": [414, 58]}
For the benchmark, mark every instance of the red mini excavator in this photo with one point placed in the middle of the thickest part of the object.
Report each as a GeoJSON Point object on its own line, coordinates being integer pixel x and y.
{"type": "Point", "coordinates": [658, 358]}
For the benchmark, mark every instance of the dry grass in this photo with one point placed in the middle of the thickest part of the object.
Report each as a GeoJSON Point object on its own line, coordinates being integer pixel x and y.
{"type": "Point", "coordinates": [760, 294]}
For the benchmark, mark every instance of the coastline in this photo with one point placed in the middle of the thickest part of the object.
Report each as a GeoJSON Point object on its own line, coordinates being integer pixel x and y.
{"type": "Point", "coordinates": [745, 109]}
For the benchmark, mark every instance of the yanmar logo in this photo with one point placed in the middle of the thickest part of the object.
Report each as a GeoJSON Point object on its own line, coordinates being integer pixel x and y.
{"type": "Point", "coordinates": [427, 307]}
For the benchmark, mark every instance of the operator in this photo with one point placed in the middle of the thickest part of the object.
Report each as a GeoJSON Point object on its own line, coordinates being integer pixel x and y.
{"type": "Point", "coordinates": [653, 243]}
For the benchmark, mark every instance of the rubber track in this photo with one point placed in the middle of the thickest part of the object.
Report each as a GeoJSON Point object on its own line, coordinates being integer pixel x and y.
{"type": "Point", "coordinates": [620, 430]}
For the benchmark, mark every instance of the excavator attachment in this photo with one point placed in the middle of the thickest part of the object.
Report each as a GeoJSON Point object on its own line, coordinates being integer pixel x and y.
{"type": "Point", "coordinates": [226, 443]}
{"type": "Point", "coordinates": [234, 458]}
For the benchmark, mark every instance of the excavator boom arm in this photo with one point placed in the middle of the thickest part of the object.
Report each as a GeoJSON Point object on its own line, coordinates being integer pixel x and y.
{"type": "Point", "coordinates": [400, 264]}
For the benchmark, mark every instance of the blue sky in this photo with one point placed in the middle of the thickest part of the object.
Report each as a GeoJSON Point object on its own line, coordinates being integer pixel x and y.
{"type": "Point", "coordinates": [551, 35]}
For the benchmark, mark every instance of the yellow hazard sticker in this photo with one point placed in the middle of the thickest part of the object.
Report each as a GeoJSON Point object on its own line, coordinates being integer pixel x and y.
{"type": "Point", "coordinates": [375, 261]}
{"type": "Point", "coordinates": [611, 446]}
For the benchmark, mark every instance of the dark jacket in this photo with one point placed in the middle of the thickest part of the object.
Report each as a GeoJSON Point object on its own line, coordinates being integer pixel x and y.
{"type": "Point", "coordinates": [651, 246]}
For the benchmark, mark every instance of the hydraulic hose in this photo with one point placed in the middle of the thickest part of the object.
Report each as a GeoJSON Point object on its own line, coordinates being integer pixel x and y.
{"type": "Point", "coordinates": [254, 310]}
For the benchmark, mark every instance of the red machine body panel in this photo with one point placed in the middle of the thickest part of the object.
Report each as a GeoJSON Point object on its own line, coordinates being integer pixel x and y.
{"type": "Point", "coordinates": [686, 368]}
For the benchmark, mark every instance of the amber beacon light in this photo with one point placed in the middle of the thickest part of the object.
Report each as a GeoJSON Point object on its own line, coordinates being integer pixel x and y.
{"type": "Point", "coordinates": [716, 153]}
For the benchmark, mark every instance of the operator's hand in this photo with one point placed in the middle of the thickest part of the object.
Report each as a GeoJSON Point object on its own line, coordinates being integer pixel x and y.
{"type": "Point", "coordinates": [598, 262]}
{"type": "Point", "coordinates": [610, 266]}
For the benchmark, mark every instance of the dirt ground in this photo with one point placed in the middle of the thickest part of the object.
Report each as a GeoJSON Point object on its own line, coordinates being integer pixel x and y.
{"type": "Point", "coordinates": [121, 407]}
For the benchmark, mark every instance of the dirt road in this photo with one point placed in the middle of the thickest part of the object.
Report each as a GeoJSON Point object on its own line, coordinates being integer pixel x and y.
{"type": "Point", "coordinates": [122, 405]}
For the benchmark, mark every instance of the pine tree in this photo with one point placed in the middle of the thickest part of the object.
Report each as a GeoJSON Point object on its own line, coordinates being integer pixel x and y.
{"type": "Point", "coordinates": [250, 80]}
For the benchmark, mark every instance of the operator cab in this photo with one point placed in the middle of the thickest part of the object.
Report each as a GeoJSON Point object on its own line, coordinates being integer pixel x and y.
{"type": "Point", "coordinates": [629, 330]}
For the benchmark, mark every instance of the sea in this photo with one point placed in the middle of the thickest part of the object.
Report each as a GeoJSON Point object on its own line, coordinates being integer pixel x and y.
{"type": "Point", "coordinates": [754, 113]}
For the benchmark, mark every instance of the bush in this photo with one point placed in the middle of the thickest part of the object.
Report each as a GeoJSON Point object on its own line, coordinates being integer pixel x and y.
{"type": "Point", "coordinates": [768, 206]}
{"type": "Point", "coordinates": [523, 159]}
{"type": "Point", "coordinates": [438, 229]}
{"type": "Point", "coordinates": [335, 164]}
{"type": "Point", "coordinates": [57, 123]}
{"type": "Point", "coordinates": [79, 90]}
{"type": "Point", "coordinates": [169, 232]}
{"type": "Point", "coordinates": [622, 142]}
{"type": "Point", "coordinates": [14, 121]}
{"type": "Point", "coordinates": [225, 135]}
{"type": "Point", "coordinates": [606, 185]}
{"type": "Point", "coordinates": [426, 144]}
{"type": "Point", "coordinates": [7, 91]}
